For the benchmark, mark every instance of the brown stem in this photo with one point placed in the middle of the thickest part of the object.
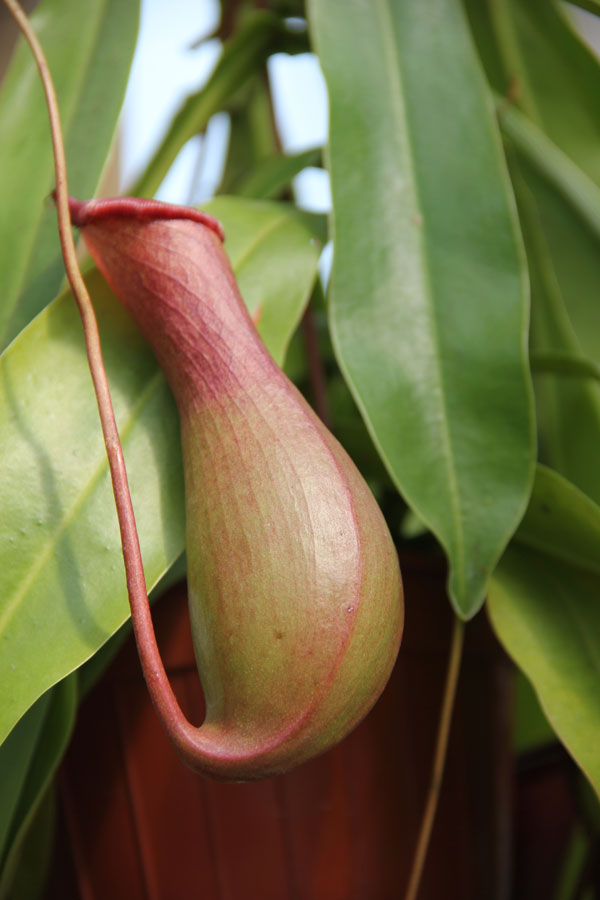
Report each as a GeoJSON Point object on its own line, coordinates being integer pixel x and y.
{"type": "Point", "coordinates": [439, 759]}
{"type": "Point", "coordinates": [316, 370]}
{"type": "Point", "coordinates": [177, 726]}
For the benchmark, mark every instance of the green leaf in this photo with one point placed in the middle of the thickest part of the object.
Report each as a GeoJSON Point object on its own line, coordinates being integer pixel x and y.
{"type": "Point", "coordinates": [258, 238]}
{"type": "Point", "coordinates": [591, 6]}
{"type": "Point", "coordinates": [427, 300]}
{"type": "Point", "coordinates": [543, 604]}
{"type": "Point", "coordinates": [575, 863]}
{"type": "Point", "coordinates": [547, 70]}
{"type": "Point", "coordinates": [569, 181]}
{"type": "Point", "coordinates": [260, 35]}
{"type": "Point", "coordinates": [560, 216]}
{"type": "Point", "coordinates": [61, 572]}
{"type": "Point", "coordinates": [562, 522]}
{"type": "Point", "coordinates": [531, 728]}
{"type": "Point", "coordinates": [546, 614]}
{"type": "Point", "coordinates": [252, 136]}
{"type": "Point", "coordinates": [89, 47]}
{"type": "Point", "coordinates": [272, 175]}
{"type": "Point", "coordinates": [575, 252]}
{"type": "Point", "coordinates": [568, 212]}
{"type": "Point", "coordinates": [558, 362]}
{"type": "Point", "coordinates": [57, 717]}
{"type": "Point", "coordinates": [568, 408]}
{"type": "Point", "coordinates": [16, 754]}
{"type": "Point", "coordinates": [62, 590]}
{"type": "Point", "coordinates": [92, 670]}
{"type": "Point", "coordinates": [35, 852]}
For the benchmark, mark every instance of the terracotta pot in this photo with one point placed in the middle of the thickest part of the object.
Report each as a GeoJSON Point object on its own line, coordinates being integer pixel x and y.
{"type": "Point", "coordinates": [137, 824]}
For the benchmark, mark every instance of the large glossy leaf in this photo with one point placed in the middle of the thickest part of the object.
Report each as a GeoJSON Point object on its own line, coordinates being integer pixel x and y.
{"type": "Point", "coordinates": [543, 604]}
{"type": "Point", "coordinates": [89, 47]}
{"type": "Point", "coordinates": [427, 299]}
{"type": "Point", "coordinates": [61, 575]}
{"type": "Point", "coordinates": [542, 64]}
{"type": "Point", "coordinates": [62, 591]}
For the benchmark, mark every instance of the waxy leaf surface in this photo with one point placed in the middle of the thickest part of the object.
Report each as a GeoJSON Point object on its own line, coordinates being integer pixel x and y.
{"type": "Point", "coordinates": [428, 298]}
{"type": "Point", "coordinates": [62, 589]}
{"type": "Point", "coordinates": [89, 48]}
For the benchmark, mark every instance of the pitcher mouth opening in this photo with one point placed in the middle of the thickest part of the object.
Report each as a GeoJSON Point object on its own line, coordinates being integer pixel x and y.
{"type": "Point", "coordinates": [84, 212]}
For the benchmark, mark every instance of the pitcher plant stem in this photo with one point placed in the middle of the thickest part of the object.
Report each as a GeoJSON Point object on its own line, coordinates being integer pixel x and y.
{"type": "Point", "coordinates": [439, 759]}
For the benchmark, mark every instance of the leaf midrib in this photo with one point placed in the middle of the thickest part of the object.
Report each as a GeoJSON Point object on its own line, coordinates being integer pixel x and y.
{"type": "Point", "coordinates": [393, 65]}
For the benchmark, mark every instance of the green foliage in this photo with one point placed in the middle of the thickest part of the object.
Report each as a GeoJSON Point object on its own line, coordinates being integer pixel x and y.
{"type": "Point", "coordinates": [533, 56]}
{"type": "Point", "coordinates": [466, 202]}
{"type": "Point", "coordinates": [89, 47]}
{"type": "Point", "coordinates": [243, 55]}
{"type": "Point", "coordinates": [427, 303]}
{"type": "Point", "coordinates": [568, 408]}
{"type": "Point", "coordinates": [28, 759]}
{"type": "Point", "coordinates": [543, 603]}
{"type": "Point", "coordinates": [61, 537]}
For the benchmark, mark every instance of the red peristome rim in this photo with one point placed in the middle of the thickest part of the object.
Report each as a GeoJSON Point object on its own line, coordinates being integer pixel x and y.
{"type": "Point", "coordinates": [85, 212]}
